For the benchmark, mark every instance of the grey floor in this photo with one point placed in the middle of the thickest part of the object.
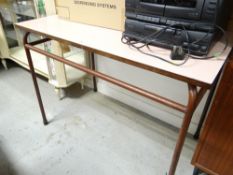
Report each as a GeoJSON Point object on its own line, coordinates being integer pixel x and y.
{"type": "Point", "coordinates": [89, 134]}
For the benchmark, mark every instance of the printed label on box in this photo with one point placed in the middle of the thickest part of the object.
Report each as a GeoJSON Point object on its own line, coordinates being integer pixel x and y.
{"type": "Point", "coordinates": [104, 13]}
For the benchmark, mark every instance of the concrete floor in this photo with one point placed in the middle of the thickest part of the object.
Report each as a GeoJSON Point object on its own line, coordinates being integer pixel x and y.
{"type": "Point", "coordinates": [89, 134]}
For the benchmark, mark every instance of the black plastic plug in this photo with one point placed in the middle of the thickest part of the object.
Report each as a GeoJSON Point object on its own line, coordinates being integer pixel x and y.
{"type": "Point", "coordinates": [177, 53]}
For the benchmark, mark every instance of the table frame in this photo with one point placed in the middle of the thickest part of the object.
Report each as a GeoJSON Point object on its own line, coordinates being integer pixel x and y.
{"type": "Point", "coordinates": [194, 94]}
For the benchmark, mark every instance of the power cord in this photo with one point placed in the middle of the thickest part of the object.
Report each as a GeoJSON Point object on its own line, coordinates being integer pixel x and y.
{"type": "Point", "coordinates": [156, 34]}
{"type": "Point", "coordinates": [216, 54]}
{"type": "Point", "coordinates": [146, 42]}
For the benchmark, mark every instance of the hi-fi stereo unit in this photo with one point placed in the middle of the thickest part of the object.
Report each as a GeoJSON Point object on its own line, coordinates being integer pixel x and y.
{"type": "Point", "coordinates": [192, 24]}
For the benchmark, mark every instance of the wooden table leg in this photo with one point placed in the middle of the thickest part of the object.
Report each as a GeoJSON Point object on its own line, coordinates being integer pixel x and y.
{"type": "Point", "coordinates": [93, 68]}
{"type": "Point", "coordinates": [184, 128]}
{"type": "Point", "coordinates": [32, 70]}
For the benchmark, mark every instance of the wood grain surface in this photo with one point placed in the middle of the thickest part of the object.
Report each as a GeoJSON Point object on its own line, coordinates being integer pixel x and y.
{"type": "Point", "coordinates": [214, 153]}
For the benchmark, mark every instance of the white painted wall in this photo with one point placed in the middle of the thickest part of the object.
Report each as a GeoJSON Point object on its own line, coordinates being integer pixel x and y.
{"type": "Point", "coordinates": [161, 85]}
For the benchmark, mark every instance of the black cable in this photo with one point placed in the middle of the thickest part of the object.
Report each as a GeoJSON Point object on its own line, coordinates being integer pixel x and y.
{"type": "Point", "coordinates": [217, 54]}
{"type": "Point", "coordinates": [205, 36]}
{"type": "Point", "coordinates": [142, 41]}
{"type": "Point", "coordinates": [157, 33]}
{"type": "Point", "coordinates": [170, 62]}
{"type": "Point", "coordinates": [163, 59]}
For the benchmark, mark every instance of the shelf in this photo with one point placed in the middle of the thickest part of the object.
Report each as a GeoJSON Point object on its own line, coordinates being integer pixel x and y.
{"type": "Point", "coordinates": [4, 10]}
{"type": "Point", "coordinates": [25, 13]}
{"type": "Point", "coordinates": [12, 42]}
{"type": "Point", "coordinates": [11, 34]}
{"type": "Point", "coordinates": [8, 24]}
{"type": "Point", "coordinates": [24, 10]}
{"type": "Point", "coordinates": [18, 11]}
{"type": "Point", "coordinates": [40, 63]}
{"type": "Point", "coordinates": [18, 55]}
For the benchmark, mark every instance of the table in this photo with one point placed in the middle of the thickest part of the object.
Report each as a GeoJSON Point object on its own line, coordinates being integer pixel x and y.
{"type": "Point", "coordinates": [107, 42]}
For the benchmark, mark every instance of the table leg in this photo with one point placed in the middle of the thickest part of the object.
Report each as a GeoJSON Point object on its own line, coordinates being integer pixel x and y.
{"type": "Point", "coordinates": [32, 70]}
{"type": "Point", "coordinates": [184, 128]}
{"type": "Point", "coordinates": [206, 107]}
{"type": "Point", "coordinates": [93, 68]}
{"type": "Point", "coordinates": [195, 97]}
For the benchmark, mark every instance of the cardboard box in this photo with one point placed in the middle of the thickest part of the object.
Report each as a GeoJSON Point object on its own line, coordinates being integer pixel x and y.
{"type": "Point", "coordinates": [104, 13]}
{"type": "Point", "coordinates": [3, 1]}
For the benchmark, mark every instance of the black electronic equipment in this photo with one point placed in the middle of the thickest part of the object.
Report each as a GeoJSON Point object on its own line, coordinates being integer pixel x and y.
{"type": "Point", "coordinates": [187, 23]}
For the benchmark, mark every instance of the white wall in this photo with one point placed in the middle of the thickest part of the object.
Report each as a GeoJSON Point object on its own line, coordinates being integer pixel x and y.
{"type": "Point", "coordinates": [161, 85]}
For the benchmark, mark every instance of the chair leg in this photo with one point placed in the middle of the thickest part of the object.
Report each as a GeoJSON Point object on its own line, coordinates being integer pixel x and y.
{"type": "Point", "coordinates": [4, 63]}
{"type": "Point", "coordinates": [82, 83]}
{"type": "Point", "coordinates": [60, 93]}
